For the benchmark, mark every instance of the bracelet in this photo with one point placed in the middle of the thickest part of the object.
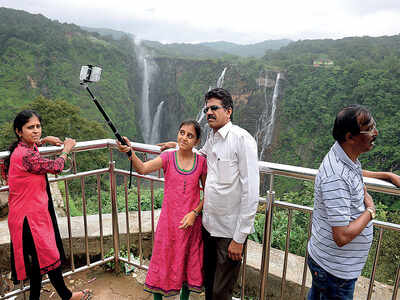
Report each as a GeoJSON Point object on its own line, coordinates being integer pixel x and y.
{"type": "Point", "coordinates": [196, 213]}
{"type": "Point", "coordinates": [66, 154]}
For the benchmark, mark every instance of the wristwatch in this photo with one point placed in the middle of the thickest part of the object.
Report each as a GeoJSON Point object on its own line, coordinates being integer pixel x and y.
{"type": "Point", "coordinates": [372, 212]}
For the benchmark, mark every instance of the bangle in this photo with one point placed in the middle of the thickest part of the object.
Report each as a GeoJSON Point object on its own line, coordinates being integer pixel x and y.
{"type": "Point", "coordinates": [196, 213]}
{"type": "Point", "coordinates": [66, 153]}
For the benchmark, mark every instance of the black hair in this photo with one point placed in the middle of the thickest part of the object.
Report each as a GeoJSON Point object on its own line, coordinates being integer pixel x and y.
{"type": "Point", "coordinates": [20, 120]}
{"type": "Point", "coordinates": [350, 119]}
{"type": "Point", "coordinates": [223, 95]}
{"type": "Point", "coordinates": [196, 126]}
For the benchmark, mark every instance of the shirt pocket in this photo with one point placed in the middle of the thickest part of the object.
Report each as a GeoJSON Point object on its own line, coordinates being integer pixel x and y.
{"type": "Point", "coordinates": [226, 171]}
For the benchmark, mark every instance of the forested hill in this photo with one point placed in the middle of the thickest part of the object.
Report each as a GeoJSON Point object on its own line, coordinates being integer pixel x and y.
{"type": "Point", "coordinates": [43, 57]}
{"type": "Point", "coordinates": [201, 50]}
{"type": "Point", "coordinates": [325, 75]}
{"type": "Point", "coordinates": [256, 49]}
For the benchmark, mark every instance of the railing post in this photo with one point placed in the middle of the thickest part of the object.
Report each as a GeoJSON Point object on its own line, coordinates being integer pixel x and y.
{"type": "Point", "coordinates": [266, 244]}
{"type": "Point", "coordinates": [372, 278]}
{"type": "Point", "coordinates": [114, 211]}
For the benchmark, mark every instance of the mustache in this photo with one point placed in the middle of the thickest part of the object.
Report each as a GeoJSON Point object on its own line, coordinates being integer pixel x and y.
{"type": "Point", "coordinates": [209, 117]}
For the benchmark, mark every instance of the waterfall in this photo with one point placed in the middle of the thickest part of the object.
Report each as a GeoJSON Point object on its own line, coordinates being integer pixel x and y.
{"type": "Point", "coordinates": [200, 116]}
{"type": "Point", "coordinates": [266, 121]}
{"type": "Point", "coordinates": [201, 113]}
{"type": "Point", "coordinates": [155, 130]}
{"type": "Point", "coordinates": [149, 68]}
{"type": "Point", "coordinates": [220, 80]}
{"type": "Point", "coordinates": [146, 119]}
{"type": "Point", "coordinates": [263, 117]}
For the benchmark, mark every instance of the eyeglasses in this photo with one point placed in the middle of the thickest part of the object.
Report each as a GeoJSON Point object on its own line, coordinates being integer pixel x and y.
{"type": "Point", "coordinates": [371, 131]}
{"type": "Point", "coordinates": [212, 107]}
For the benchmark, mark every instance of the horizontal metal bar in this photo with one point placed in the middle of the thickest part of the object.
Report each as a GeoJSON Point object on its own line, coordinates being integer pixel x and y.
{"type": "Point", "coordinates": [148, 177]}
{"type": "Point", "coordinates": [143, 267]}
{"type": "Point", "coordinates": [293, 206]}
{"type": "Point", "coordinates": [84, 268]}
{"type": "Point", "coordinates": [91, 145]}
{"type": "Point", "coordinates": [69, 177]}
{"type": "Point", "coordinates": [373, 184]}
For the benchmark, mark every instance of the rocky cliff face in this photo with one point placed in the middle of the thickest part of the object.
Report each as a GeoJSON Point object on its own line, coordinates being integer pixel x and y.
{"type": "Point", "coordinates": [182, 83]}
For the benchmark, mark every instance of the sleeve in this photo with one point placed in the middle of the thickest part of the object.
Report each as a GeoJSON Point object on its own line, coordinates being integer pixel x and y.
{"type": "Point", "coordinates": [34, 163]}
{"type": "Point", "coordinates": [335, 194]}
{"type": "Point", "coordinates": [206, 147]}
{"type": "Point", "coordinates": [204, 165]}
{"type": "Point", "coordinates": [165, 157]}
{"type": "Point", "coordinates": [249, 176]}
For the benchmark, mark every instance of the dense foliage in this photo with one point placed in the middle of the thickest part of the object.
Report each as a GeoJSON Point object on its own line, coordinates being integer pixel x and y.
{"type": "Point", "coordinates": [43, 57]}
{"type": "Point", "coordinates": [255, 50]}
{"type": "Point", "coordinates": [364, 71]}
{"type": "Point", "coordinates": [40, 60]}
{"type": "Point", "coordinates": [214, 50]}
{"type": "Point", "coordinates": [388, 255]}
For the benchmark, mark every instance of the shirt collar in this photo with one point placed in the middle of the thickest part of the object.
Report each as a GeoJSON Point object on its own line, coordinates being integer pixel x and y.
{"type": "Point", "coordinates": [223, 131]}
{"type": "Point", "coordinates": [344, 157]}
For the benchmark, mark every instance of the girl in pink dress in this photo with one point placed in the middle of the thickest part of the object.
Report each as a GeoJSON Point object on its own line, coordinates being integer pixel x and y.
{"type": "Point", "coordinates": [177, 258]}
{"type": "Point", "coordinates": [36, 246]}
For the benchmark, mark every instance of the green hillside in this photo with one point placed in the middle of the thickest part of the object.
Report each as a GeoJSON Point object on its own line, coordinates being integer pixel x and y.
{"type": "Point", "coordinates": [43, 57]}
{"type": "Point", "coordinates": [255, 50]}
{"type": "Point", "coordinates": [40, 61]}
{"type": "Point", "coordinates": [183, 50]}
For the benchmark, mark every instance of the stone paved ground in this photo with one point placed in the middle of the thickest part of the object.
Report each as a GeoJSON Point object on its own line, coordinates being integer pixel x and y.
{"type": "Point", "coordinates": [106, 286]}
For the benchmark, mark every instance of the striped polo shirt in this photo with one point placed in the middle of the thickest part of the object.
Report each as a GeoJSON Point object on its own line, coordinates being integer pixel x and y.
{"type": "Point", "coordinates": [339, 200]}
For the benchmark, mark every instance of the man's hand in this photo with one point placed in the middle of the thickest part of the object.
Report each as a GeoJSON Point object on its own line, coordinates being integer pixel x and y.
{"type": "Point", "coordinates": [388, 176]}
{"type": "Point", "coordinates": [167, 145]}
{"type": "Point", "coordinates": [395, 179]}
{"type": "Point", "coordinates": [368, 199]}
{"type": "Point", "coordinates": [235, 250]}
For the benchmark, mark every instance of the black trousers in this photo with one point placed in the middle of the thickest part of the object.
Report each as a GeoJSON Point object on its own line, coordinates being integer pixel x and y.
{"type": "Point", "coordinates": [30, 259]}
{"type": "Point", "coordinates": [220, 272]}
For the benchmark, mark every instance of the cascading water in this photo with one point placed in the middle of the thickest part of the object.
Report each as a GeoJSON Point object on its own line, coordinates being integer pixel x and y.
{"type": "Point", "coordinates": [150, 131]}
{"type": "Point", "coordinates": [155, 130]}
{"type": "Point", "coordinates": [201, 114]}
{"type": "Point", "coordinates": [220, 81]}
{"type": "Point", "coordinates": [263, 117]}
{"type": "Point", "coordinates": [146, 119]}
{"type": "Point", "coordinates": [266, 122]}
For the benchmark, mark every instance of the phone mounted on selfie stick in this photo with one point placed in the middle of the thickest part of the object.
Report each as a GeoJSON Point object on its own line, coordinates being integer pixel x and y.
{"type": "Point", "coordinates": [89, 74]}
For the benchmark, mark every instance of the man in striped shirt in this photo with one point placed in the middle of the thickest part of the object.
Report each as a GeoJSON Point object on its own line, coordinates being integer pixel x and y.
{"type": "Point", "coordinates": [342, 230]}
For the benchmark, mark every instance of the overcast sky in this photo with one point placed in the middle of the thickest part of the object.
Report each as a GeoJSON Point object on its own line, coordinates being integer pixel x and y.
{"type": "Point", "coordinates": [240, 22]}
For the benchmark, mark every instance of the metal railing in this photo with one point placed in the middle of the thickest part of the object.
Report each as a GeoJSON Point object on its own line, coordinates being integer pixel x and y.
{"type": "Point", "coordinates": [271, 169]}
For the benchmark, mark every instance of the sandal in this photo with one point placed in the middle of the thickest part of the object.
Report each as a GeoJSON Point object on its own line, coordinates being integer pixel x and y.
{"type": "Point", "coordinates": [87, 294]}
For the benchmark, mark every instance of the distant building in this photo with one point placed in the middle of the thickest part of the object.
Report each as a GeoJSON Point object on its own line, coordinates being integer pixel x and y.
{"type": "Point", "coordinates": [261, 81]}
{"type": "Point", "coordinates": [323, 62]}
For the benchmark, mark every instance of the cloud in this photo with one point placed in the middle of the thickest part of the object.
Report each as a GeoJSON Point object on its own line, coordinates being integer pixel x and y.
{"type": "Point", "coordinates": [370, 7]}
{"type": "Point", "coordinates": [240, 22]}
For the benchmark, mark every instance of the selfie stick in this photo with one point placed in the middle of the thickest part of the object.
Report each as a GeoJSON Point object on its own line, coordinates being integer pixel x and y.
{"type": "Point", "coordinates": [109, 122]}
